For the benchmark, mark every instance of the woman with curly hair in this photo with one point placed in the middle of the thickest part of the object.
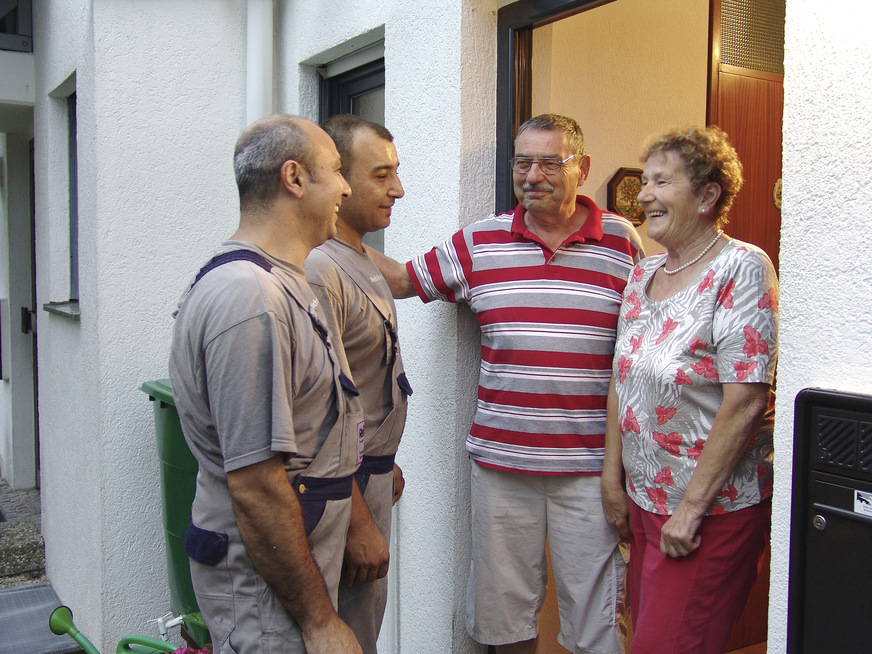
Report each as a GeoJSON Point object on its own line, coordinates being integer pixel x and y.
{"type": "Point", "coordinates": [688, 469]}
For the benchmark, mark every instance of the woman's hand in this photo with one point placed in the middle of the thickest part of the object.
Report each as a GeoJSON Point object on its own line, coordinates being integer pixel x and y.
{"type": "Point", "coordinates": [737, 418]}
{"type": "Point", "coordinates": [680, 534]}
{"type": "Point", "coordinates": [616, 507]}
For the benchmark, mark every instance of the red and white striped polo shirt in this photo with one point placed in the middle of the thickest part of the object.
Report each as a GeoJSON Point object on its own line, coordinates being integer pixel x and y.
{"type": "Point", "coordinates": [548, 325]}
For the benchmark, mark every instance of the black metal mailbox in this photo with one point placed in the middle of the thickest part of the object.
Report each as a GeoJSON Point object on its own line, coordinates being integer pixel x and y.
{"type": "Point", "coordinates": [830, 587]}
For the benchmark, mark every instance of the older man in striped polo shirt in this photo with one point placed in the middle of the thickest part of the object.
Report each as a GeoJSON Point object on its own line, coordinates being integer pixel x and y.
{"type": "Point", "coordinates": [545, 283]}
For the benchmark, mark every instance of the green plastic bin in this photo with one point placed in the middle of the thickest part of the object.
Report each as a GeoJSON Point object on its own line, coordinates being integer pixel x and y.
{"type": "Point", "coordinates": [178, 480]}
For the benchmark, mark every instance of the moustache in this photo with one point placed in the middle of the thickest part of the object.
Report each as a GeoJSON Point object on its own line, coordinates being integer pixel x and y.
{"type": "Point", "coordinates": [537, 187]}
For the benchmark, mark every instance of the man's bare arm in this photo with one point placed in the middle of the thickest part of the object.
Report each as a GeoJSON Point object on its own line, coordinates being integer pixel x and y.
{"type": "Point", "coordinates": [271, 525]}
{"type": "Point", "coordinates": [615, 501]}
{"type": "Point", "coordinates": [366, 551]}
{"type": "Point", "coordinates": [394, 272]}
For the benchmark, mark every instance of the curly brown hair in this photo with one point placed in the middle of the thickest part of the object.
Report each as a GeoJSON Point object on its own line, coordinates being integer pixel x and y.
{"type": "Point", "coordinates": [708, 156]}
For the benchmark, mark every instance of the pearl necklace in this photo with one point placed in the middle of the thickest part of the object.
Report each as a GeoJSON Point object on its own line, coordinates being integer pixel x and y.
{"type": "Point", "coordinates": [695, 259]}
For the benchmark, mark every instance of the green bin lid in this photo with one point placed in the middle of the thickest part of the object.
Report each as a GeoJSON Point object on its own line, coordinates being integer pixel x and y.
{"type": "Point", "coordinates": [159, 389]}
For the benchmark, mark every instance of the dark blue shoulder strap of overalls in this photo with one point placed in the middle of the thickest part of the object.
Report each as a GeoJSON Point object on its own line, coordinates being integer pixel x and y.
{"type": "Point", "coordinates": [259, 260]}
{"type": "Point", "coordinates": [233, 255]}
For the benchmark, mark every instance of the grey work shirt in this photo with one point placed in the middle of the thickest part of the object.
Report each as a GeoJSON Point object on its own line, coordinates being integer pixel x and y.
{"type": "Point", "coordinates": [250, 375]}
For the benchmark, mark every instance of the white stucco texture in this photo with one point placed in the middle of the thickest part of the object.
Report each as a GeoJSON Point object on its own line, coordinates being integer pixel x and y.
{"type": "Point", "coordinates": [161, 97]}
{"type": "Point", "coordinates": [159, 89]}
{"type": "Point", "coordinates": [825, 282]}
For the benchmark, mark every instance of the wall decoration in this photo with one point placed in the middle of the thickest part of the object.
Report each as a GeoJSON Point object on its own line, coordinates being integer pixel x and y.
{"type": "Point", "coordinates": [623, 188]}
{"type": "Point", "coordinates": [776, 194]}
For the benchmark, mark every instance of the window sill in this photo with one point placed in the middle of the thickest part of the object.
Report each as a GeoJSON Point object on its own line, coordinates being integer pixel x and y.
{"type": "Point", "coordinates": [69, 310]}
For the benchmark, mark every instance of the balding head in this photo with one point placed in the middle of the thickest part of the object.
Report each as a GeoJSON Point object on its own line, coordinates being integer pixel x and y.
{"type": "Point", "coordinates": [260, 152]}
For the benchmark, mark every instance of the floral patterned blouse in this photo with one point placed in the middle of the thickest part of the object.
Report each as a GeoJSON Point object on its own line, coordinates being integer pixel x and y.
{"type": "Point", "coordinates": [671, 358]}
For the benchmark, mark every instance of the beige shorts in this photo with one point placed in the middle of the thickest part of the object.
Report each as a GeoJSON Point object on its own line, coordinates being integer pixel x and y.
{"type": "Point", "coordinates": [512, 513]}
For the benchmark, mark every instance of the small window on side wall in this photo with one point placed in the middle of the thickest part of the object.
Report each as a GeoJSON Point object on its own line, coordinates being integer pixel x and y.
{"type": "Point", "coordinates": [65, 127]}
{"type": "Point", "coordinates": [358, 90]}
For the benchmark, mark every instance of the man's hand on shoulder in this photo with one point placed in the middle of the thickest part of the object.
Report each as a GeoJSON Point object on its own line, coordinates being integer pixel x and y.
{"type": "Point", "coordinates": [394, 272]}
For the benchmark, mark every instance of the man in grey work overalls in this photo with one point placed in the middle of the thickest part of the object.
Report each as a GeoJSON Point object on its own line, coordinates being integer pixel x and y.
{"type": "Point", "coordinates": [266, 408]}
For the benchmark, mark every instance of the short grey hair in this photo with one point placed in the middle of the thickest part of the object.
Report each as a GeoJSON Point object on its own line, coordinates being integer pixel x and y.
{"type": "Point", "coordinates": [557, 123]}
{"type": "Point", "coordinates": [260, 152]}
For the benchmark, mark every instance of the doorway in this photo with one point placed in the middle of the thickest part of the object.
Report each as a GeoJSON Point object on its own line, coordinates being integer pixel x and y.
{"type": "Point", "coordinates": [19, 445]}
{"type": "Point", "coordinates": [596, 61]}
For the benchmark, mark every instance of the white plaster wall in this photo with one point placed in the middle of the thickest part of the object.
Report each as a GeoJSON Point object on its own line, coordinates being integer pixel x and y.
{"type": "Point", "coordinates": [439, 104]}
{"type": "Point", "coordinates": [826, 286]}
{"type": "Point", "coordinates": [5, 388]}
{"type": "Point", "coordinates": [606, 68]}
{"type": "Point", "coordinates": [71, 472]}
{"type": "Point", "coordinates": [160, 88]}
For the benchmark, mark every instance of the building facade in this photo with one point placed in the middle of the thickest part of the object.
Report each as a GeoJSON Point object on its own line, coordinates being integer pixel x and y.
{"type": "Point", "coordinates": [159, 91]}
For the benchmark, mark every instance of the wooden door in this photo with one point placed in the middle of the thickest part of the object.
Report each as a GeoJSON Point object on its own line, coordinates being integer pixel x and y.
{"type": "Point", "coordinates": [749, 108]}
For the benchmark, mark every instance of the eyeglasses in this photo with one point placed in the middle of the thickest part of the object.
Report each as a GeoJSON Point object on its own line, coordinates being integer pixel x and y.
{"type": "Point", "coordinates": [548, 165]}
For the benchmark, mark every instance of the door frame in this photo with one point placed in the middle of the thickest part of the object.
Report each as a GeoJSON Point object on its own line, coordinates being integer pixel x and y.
{"type": "Point", "coordinates": [515, 25]}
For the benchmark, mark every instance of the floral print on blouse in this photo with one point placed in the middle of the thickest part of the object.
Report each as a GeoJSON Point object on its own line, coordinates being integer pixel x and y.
{"type": "Point", "coordinates": [671, 358]}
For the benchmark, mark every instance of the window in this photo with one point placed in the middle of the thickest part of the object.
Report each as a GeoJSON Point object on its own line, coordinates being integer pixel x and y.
{"type": "Point", "coordinates": [16, 25]}
{"type": "Point", "coordinates": [67, 125]}
{"type": "Point", "coordinates": [73, 162]}
{"type": "Point", "coordinates": [360, 91]}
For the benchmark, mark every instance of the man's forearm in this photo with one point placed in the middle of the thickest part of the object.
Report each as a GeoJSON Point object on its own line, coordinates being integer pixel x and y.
{"type": "Point", "coordinates": [394, 272]}
{"type": "Point", "coordinates": [366, 550]}
{"type": "Point", "coordinates": [271, 525]}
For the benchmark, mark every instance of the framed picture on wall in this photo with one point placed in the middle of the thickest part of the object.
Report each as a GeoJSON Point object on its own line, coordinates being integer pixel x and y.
{"type": "Point", "coordinates": [623, 188]}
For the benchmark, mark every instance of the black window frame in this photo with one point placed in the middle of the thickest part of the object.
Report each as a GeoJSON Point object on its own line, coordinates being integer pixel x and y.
{"type": "Point", "coordinates": [338, 92]}
{"type": "Point", "coordinates": [20, 38]}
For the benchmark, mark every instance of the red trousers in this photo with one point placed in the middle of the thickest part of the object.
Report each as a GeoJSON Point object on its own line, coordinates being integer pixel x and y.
{"type": "Point", "coordinates": [690, 605]}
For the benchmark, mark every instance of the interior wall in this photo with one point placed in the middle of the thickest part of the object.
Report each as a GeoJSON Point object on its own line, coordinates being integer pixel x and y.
{"type": "Point", "coordinates": [624, 70]}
